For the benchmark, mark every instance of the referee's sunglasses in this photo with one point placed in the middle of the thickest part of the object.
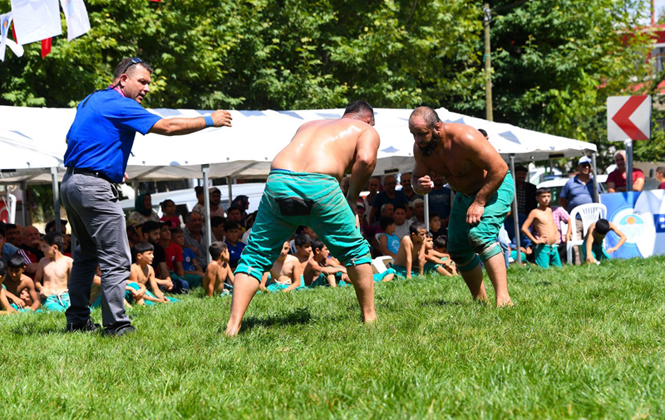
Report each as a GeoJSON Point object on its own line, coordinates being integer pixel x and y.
{"type": "Point", "coordinates": [135, 60]}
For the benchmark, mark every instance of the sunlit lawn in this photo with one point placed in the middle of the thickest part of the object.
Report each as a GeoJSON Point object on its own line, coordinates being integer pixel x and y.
{"type": "Point", "coordinates": [580, 342]}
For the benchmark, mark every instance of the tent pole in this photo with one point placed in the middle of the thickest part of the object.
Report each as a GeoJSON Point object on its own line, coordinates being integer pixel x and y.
{"type": "Point", "coordinates": [229, 182]}
{"type": "Point", "coordinates": [426, 199]}
{"type": "Point", "coordinates": [596, 197]}
{"type": "Point", "coordinates": [206, 199]}
{"type": "Point", "coordinates": [516, 219]}
{"type": "Point", "coordinates": [629, 165]}
{"type": "Point", "coordinates": [56, 199]}
{"type": "Point", "coordinates": [24, 205]}
{"type": "Point", "coordinates": [10, 219]}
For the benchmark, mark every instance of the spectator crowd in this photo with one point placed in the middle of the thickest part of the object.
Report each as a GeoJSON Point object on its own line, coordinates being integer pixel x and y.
{"type": "Point", "coordinates": [170, 253]}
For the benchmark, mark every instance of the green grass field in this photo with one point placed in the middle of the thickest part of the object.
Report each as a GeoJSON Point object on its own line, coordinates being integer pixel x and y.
{"type": "Point", "coordinates": [581, 342]}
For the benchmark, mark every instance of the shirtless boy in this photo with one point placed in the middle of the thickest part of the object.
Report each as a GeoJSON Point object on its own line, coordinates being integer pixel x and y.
{"type": "Point", "coordinates": [16, 281]}
{"type": "Point", "coordinates": [484, 187]}
{"type": "Point", "coordinates": [52, 274]}
{"type": "Point", "coordinates": [219, 270]}
{"type": "Point", "coordinates": [5, 307]}
{"type": "Point", "coordinates": [434, 261]}
{"type": "Point", "coordinates": [541, 218]}
{"type": "Point", "coordinates": [142, 275]}
{"type": "Point", "coordinates": [592, 248]}
{"type": "Point", "coordinates": [411, 251]}
{"type": "Point", "coordinates": [318, 272]}
{"type": "Point", "coordinates": [285, 274]}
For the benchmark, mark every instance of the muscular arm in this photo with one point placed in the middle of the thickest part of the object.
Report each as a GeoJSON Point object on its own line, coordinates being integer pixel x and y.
{"type": "Point", "coordinates": [365, 162]}
{"type": "Point", "coordinates": [483, 155]}
{"type": "Point", "coordinates": [180, 126]}
{"type": "Point", "coordinates": [420, 180]}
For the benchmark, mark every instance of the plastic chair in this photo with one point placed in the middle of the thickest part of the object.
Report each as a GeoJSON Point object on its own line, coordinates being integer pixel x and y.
{"type": "Point", "coordinates": [589, 213]}
{"type": "Point", "coordinates": [380, 264]}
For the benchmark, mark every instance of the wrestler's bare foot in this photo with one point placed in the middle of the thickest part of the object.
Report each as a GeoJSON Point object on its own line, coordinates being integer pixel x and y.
{"type": "Point", "coordinates": [370, 319]}
{"type": "Point", "coordinates": [232, 331]}
{"type": "Point", "coordinates": [504, 302]}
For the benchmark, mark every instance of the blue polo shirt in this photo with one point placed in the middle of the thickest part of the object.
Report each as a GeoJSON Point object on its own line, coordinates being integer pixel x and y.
{"type": "Point", "coordinates": [102, 134]}
{"type": "Point", "coordinates": [577, 193]}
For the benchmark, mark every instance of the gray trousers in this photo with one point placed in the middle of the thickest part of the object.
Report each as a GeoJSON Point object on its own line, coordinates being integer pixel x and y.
{"type": "Point", "coordinates": [98, 224]}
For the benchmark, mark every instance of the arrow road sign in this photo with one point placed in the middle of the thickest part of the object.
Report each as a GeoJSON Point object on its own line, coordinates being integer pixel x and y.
{"type": "Point", "coordinates": [629, 117]}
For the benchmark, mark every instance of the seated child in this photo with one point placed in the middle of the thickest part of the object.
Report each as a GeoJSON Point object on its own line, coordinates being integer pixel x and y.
{"type": "Point", "coordinates": [317, 272]}
{"type": "Point", "coordinates": [592, 247]}
{"type": "Point", "coordinates": [441, 251]}
{"type": "Point", "coordinates": [435, 225]}
{"type": "Point", "coordinates": [174, 259]}
{"type": "Point", "coordinates": [15, 281]}
{"type": "Point", "coordinates": [218, 272]}
{"type": "Point", "coordinates": [410, 250]}
{"type": "Point", "coordinates": [5, 307]}
{"type": "Point", "coordinates": [541, 218]}
{"type": "Point", "coordinates": [190, 265]}
{"type": "Point", "coordinates": [285, 274]}
{"type": "Point", "coordinates": [433, 261]}
{"type": "Point", "coordinates": [388, 241]}
{"type": "Point", "coordinates": [142, 276]}
{"type": "Point", "coordinates": [152, 233]}
{"type": "Point", "coordinates": [53, 273]}
{"type": "Point", "coordinates": [233, 231]}
{"type": "Point", "coordinates": [168, 213]}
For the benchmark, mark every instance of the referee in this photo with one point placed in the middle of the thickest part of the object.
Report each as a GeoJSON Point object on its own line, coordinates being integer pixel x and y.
{"type": "Point", "coordinates": [98, 146]}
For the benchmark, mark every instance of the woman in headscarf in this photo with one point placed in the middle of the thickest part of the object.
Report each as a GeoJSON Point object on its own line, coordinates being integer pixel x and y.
{"type": "Point", "coordinates": [143, 210]}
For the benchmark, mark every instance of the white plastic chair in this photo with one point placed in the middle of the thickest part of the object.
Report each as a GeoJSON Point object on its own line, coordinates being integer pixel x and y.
{"type": "Point", "coordinates": [380, 264]}
{"type": "Point", "coordinates": [589, 213]}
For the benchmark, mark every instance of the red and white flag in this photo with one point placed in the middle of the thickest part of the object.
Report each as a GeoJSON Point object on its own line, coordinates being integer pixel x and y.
{"type": "Point", "coordinates": [77, 18]}
{"type": "Point", "coordinates": [5, 24]}
{"type": "Point", "coordinates": [35, 20]}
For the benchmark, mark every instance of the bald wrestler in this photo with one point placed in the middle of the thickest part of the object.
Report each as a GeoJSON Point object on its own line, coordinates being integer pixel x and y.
{"type": "Point", "coordinates": [484, 194]}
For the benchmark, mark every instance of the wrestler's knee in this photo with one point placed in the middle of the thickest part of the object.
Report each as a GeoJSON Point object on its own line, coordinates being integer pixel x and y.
{"type": "Point", "coordinates": [488, 250]}
{"type": "Point", "coordinates": [465, 261]}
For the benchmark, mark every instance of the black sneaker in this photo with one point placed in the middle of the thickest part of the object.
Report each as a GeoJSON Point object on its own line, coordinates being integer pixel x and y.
{"type": "Point", "coordinates": [119, 331]}
{"type": "Point", "coordinates": [88, 326]}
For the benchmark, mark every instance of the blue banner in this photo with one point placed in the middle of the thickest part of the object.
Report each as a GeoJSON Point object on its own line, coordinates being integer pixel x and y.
{"type": "Point", "coordinates": [641, 217]}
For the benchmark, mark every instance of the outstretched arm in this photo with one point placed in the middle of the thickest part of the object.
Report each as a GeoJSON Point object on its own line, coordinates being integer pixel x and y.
{"type": "Point", "coordinates": [180, 126]}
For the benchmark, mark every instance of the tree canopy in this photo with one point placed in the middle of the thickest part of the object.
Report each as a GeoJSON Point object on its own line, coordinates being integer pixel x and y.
{"type": "Point", "coordinates": [554, 62]}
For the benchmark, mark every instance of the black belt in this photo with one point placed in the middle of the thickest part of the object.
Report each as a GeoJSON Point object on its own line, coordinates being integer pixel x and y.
{"type": "Point", "coordinates": [88, 172]}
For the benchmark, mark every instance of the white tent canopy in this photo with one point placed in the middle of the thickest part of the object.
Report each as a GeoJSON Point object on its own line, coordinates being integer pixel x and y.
{"type": "Point", "coordinates": [246, 149]}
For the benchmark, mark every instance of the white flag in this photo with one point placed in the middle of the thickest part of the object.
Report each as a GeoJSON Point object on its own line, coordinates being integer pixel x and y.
{"type": "Point", "coordinates": [35, 20]}
{"type": "Point", "coordinates": [5, 23]}
{"type": "Point", "coordinates": [77, 18]}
